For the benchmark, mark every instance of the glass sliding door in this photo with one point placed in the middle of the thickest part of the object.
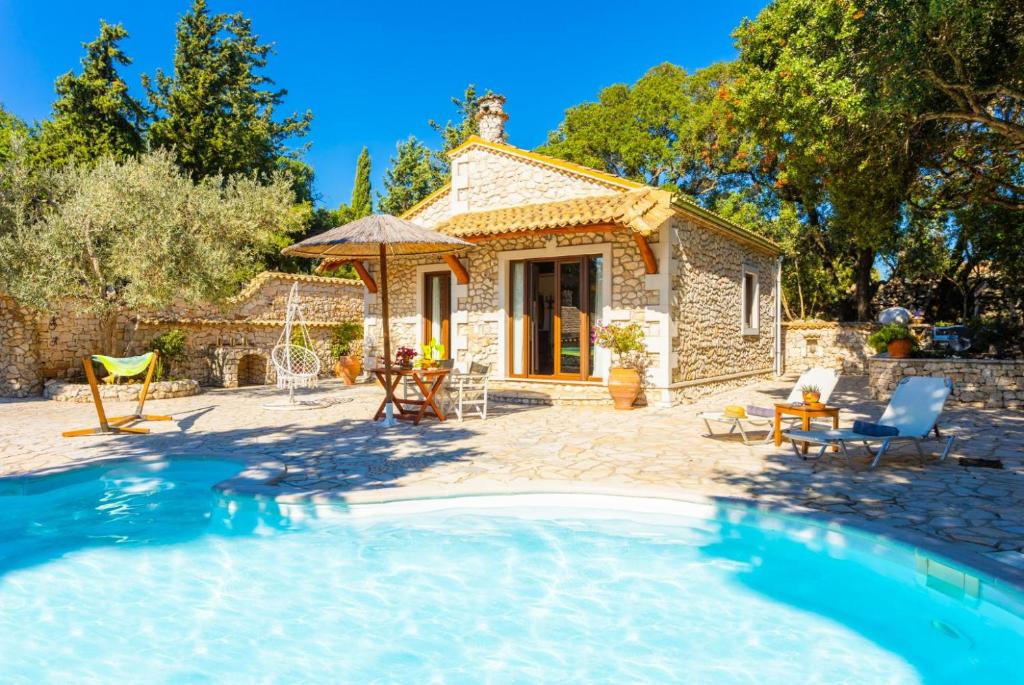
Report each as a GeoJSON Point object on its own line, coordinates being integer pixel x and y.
{"type": "Point", "coordinates": [595, 305]}
{"type": "Point", "coordinates": [517, 320]}
{"type": "Point", "coordinates": [553, 304]}
{"type": "Point", "coordinates": [437, 299]}
{"type": "Point", "coordinates": [571, 319]}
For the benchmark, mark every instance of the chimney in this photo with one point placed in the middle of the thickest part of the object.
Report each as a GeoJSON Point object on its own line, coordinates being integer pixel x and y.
{"type": "Point", "coordinates": [491, 118]}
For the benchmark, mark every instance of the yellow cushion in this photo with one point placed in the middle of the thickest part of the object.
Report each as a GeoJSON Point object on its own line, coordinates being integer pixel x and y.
{"type": "Point", "coordinates": [734, 411]}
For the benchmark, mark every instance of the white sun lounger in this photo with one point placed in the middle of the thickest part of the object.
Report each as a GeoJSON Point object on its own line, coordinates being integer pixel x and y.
{"type": "Point", "coordinates": [914, 410]}
{"type": "Point", "coordinates": [825, 379]}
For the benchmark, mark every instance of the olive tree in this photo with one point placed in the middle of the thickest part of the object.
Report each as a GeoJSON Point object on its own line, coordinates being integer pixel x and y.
{"type": "Point", "coordinates": [125, 237]}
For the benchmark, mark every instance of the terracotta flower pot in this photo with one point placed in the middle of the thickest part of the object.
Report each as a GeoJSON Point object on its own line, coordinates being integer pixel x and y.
{"type": "Point", "coordinates": [812, 397]}
{"type": "Point", "coordinates": [624, 386]}
{"type": "Point", "coordinates": [348, 369]}
{"type": "Point", "coordinates": [900, 349]}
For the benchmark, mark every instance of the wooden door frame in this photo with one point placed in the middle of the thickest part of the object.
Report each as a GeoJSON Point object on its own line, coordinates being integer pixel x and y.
{"type": "Point", "coordinates": [446, 309]}
{"type": "Point", "coordinates": [585, 320]}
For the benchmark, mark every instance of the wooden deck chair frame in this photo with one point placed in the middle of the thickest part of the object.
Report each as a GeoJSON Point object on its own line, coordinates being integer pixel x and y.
{"type": "Point", "coordinates": [117, 424]}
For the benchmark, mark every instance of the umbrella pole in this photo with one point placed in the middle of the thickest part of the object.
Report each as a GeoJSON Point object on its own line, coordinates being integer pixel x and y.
{"type": "Point", "coordinates": [389, 409]}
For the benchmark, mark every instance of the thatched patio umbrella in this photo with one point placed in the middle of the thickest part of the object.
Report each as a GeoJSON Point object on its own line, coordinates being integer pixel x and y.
{"type": "Point", "coordinates": [376, 237]}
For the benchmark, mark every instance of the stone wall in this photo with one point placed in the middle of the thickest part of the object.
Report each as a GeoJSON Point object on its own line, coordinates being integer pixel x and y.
{"type": "Point", "coordinates": [992, 383]}
{"type": "Point", "coordinates": [477, 314]}
{"type": "Point", "coordinates": [712, 353]}
{"type": "Point", "coordinates": [19, 352]}
{"type": "Point", "coordinates": [36, 347]}
{"type": "Point", "coordinates": [829, 344]}
{"type": "Point", "coordinates": [484, 178]}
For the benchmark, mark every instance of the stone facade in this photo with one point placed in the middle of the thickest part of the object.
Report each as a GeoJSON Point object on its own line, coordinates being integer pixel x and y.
{"type": "Point", "coordinates": [690, 310]}
{"type": "Point", "coordinates": [711, 350]}
{"type": "Point", "coordinates": [36, 347]}
{"type": "Point", "coordinates": [990, 383]}
{"type": "Point", "coordinates": [485, 178]}
{"type": "Point", "coordinates": [829, 344]}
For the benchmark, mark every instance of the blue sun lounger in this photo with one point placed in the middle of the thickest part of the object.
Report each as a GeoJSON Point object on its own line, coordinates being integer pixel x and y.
{"type": "Point", "coordinates": [912, 414]}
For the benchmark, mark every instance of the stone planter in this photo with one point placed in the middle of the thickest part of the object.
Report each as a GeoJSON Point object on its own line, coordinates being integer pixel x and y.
{"type": "Point", "coordinates": [62, 391]}
{"type": "Point", "coordinates": [624, 386]}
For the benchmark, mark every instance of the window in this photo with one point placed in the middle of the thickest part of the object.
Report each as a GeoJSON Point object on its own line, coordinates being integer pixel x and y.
{"type": "Point", "coordinates": [750, 298]}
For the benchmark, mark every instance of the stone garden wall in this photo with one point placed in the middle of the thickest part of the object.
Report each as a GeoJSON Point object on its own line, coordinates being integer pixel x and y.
{"type": "Point", "coordinates": [992, 383]}
{"type": "Point", "coordinates": [830, 344]}
{"type": "Point", "coordinates": [220, 340]}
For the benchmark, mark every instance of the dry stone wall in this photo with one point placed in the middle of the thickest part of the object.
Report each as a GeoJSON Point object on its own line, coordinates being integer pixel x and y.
{"type": "Point", "coordinates": [991, 383]}
{"type": "Point", "coordinates": [829, 344]}
{"type": "Point", "coordinates": [712, 353]}
{"type": "Point", "coordinates": [36, 347]}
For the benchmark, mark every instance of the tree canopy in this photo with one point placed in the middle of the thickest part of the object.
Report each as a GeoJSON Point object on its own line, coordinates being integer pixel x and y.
{"type": "Point", "coordinates": [216, 110]}
{"type": "Point", "coordinates": [869, 138]}
{"type": "Point", "coordinates": [94, 115]}
{"type": "Point", "coordinates": [135, 234]}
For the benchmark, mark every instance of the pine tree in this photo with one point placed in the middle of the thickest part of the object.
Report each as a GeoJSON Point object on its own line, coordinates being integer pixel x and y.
{"type": "Point", "coordinates": [412, 176]}
{"type": "Point", "coordinates": [11, 128]}
{"type": "Point", "coordinates": [94, 114]}
{"type": "Point", "coordinates": [216, 111]}
{"type": "Point", "coordinates": [454, 134]}
{"type": "Point", "coordinates": [362, 203]}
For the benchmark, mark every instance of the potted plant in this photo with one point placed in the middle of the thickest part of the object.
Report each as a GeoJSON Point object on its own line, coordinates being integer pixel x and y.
{"type": "Point", "coordinates": [894, 338]}
{"type": "Point", "coordinates": [626, 342]}
{"type": "Point", "coordinates": [811, 393]}
{"type": "Point", "coordinates": [432, 352]}
{"type": "Point", "coordinates": [347, 366]}
{"type": "Point", "coordinates": [404, 356]}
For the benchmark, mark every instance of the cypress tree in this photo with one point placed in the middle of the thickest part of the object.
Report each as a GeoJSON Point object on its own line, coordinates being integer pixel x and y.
{"type": "Point", "coordinates": [94, 114]}
{"type": "Point", "coordinates": [362, 203]}
{"type": "Point", "coordinates": [216, 111]}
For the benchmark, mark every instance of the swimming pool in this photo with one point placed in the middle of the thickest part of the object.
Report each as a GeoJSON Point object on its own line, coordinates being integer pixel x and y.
{"type": "Point", "coordinates": [143, 573]}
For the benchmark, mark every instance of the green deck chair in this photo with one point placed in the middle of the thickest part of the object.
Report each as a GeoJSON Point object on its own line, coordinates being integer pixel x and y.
{"type": "Point", "coordinates": [119, 366]}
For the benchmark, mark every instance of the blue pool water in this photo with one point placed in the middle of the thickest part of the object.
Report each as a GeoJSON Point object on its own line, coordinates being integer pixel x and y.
{"type": "Point", "coordinates": [144, 574]}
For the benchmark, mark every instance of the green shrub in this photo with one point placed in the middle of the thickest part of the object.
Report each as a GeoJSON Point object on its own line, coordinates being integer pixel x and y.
{"type": "Point", "coordinates": [170, 347]}
{"type": "Point", "coordinates": [1001, 335]}
{"type": "Point", "coordinates": [342, 337]}
{"type": "Point", "coordinates": [881, 338]}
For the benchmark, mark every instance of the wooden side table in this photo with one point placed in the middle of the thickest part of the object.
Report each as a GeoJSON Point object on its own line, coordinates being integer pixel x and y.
{"type": "Point", "coordinates": [806, 414]}
{"type": "Point", "coordinates": [413, 409]}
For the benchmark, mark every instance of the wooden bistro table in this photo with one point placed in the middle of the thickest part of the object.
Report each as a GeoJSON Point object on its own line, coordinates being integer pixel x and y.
{"type": "Point", "coordinates": [805, 413]}
{"type": "Point", "coordinates": [429, 381]}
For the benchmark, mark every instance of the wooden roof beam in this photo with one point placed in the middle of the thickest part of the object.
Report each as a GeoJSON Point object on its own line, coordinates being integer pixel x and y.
{"type": "Point", "coordinates": [461, 275]}
{"type": "Point", "coordinates": [364, 275]}
{"type": "Point", "coordinates": [650, 263]}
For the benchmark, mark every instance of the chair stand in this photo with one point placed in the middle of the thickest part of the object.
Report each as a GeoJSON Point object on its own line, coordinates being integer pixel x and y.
{"type": "Point", "coordinates": [117, 424]}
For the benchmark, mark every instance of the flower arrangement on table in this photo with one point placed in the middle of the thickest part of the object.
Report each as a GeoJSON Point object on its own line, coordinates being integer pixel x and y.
{"type": "Point", "coordinates": [811, 393]}
{"type": "Point", "coordinates": [404, 356]}
{"type": "Point", "coordinates": [433, 352]}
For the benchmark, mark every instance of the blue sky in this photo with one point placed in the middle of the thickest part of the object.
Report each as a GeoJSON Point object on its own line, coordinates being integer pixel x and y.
{"type": "Point", "coordinates": [373, 73]}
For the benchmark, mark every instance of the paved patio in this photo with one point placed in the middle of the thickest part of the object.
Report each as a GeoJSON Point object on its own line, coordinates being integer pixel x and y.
{"type": "Point", "coordinates": [337, 451]}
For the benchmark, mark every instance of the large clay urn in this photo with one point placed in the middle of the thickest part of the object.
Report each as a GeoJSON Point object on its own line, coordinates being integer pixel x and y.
{"type": "Point", "coordinates": [900, 349]}
{"type": "Point", "coordinates": [348, 368]}
{"type": "Point", "coordinates": [624, 386]}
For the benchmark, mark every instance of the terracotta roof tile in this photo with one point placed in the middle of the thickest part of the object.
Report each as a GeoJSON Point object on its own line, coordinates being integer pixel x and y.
{"type": "Point", "coordinates": [643, 210]}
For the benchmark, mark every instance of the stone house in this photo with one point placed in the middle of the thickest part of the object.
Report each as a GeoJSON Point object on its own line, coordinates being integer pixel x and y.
{"type": "Point", "coordinates": [560, 247]}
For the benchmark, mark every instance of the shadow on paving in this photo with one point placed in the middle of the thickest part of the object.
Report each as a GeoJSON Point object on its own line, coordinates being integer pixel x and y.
{"type": "Point", "coordinates": [146, 490]}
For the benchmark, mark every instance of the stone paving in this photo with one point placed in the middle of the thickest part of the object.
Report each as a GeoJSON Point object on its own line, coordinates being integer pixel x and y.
{"type": "Point", "coordinates": [336, 451]}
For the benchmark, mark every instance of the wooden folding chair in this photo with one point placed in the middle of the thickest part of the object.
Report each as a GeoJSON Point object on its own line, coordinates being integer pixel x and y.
{"type": "Point", "coordinates": [117, 424]}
